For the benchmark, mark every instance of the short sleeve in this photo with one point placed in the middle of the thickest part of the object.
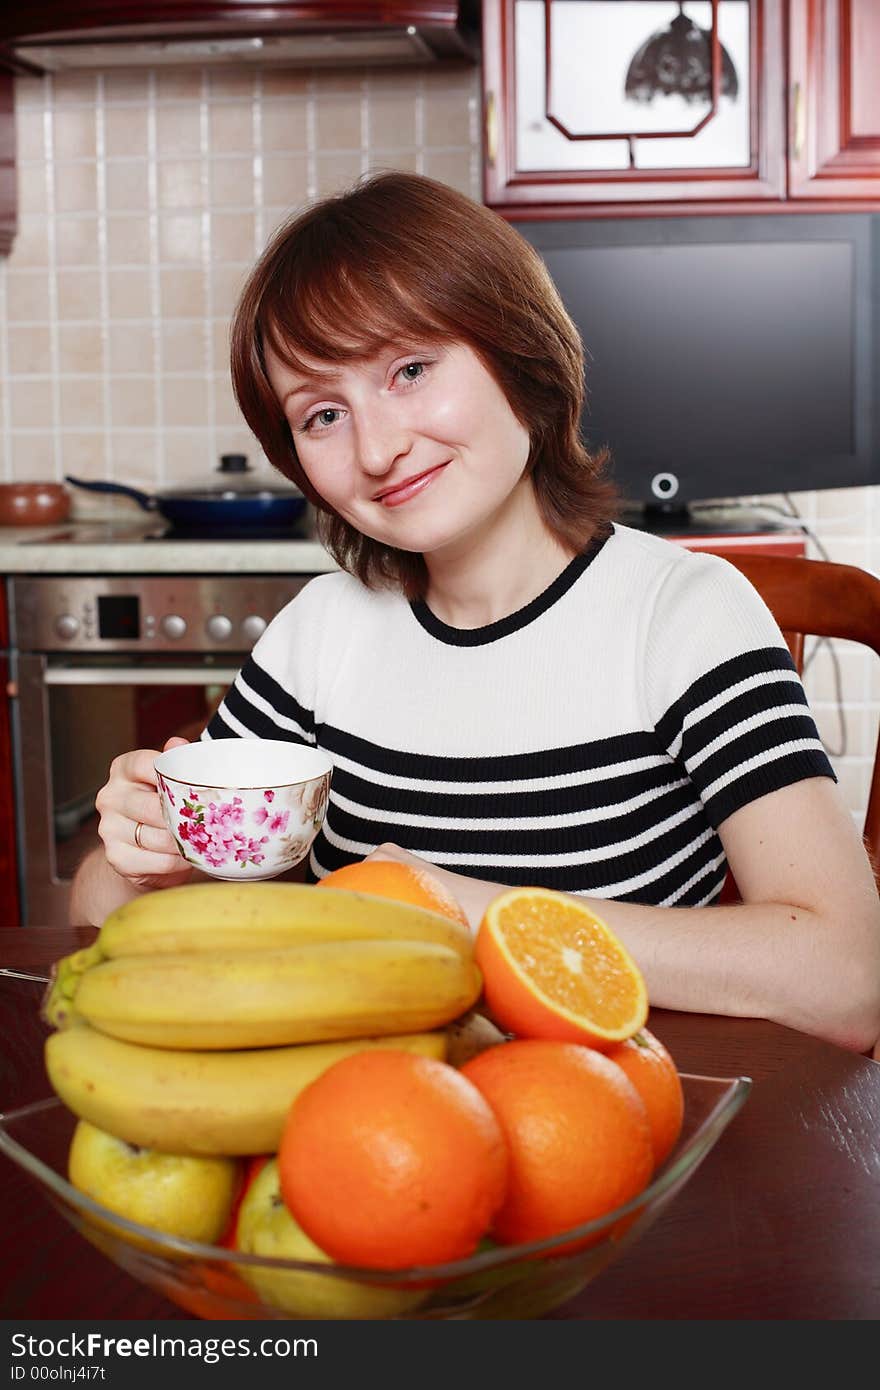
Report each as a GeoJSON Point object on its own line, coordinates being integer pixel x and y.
{"type": "Point", "coordinates": [723, 693]}
{"type": "Point", "coordinates": [273, 695]}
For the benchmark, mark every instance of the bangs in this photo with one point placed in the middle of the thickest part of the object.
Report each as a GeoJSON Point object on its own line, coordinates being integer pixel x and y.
{"type": "Point", "coordinates": [342, 313]}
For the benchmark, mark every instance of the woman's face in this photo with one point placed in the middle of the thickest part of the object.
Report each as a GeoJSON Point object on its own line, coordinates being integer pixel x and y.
{"type": "Point", "coordinates": [415, 447]}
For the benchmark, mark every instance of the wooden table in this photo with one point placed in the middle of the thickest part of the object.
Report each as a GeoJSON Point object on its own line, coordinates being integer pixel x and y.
{"type": "Point", "coordinates": [782, 1221]}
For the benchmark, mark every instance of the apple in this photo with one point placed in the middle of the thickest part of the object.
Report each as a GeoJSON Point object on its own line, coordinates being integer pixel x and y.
{"type": "Point", "coordinates": [266, 1227]}
{"type": "Point", "coordinates": [179, 1195]}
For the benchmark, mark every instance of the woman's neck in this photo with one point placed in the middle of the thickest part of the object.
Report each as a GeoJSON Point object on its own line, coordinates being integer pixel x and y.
{"type": "Point", "coordinates": [488, 575]}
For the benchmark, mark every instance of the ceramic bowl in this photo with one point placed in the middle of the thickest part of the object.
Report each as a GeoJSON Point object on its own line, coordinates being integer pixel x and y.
{"type": "Point", "coordinates": [242, 808]}
{"type": "Point", "coordinates": [33, 504]}
{"type": "Point", "coordinates": [508, 1282]}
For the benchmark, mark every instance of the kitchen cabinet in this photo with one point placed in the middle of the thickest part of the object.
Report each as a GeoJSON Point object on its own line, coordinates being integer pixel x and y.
{"type": "Point", "coordinates": [9, 899]}
{"type": "Point", "coordinates": [58, 33]}
{"type": "Point", "coordinates": [7, 164]}
{"type": "Point", "coordinates": [647, 107]}
{"type": "Point", "coordinates": [835, 99]}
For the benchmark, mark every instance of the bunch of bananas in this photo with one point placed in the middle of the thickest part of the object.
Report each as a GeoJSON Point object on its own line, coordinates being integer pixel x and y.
{"type": "Point", "coordinates": [201, 1012]}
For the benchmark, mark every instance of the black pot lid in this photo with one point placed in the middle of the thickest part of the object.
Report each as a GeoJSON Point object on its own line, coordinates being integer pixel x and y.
{"type": "Point", "coordinates": [232, 480]}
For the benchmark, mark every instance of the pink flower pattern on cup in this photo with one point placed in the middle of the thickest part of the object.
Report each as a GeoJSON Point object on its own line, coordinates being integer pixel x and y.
{"type": "Point", "coordinates": [217, 832]}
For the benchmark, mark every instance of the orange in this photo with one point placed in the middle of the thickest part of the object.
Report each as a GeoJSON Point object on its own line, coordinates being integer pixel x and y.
{"type": "Point", "coordinates": [406, 883]}
{"type": "Point", "coordinates": [652, 1071]}
{"type": "Point", "coordinates": [221, 1286]}
{"type": "Point", "coordinates": [389, 1160]}
{"type": "Point", "coordinates": [552, 969]}
{"type": "Point", "coordinates": [577, 1131]}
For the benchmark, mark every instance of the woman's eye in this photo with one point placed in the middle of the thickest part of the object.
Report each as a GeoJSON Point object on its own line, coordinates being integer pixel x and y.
{"type": "Point", "coordinates": [323, 419]}
{"type": "Point", "coordinates": [412, 371]}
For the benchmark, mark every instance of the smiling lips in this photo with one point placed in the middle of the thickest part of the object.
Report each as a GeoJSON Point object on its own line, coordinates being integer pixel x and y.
{"type": "Point", "coordinates": [410, 487]}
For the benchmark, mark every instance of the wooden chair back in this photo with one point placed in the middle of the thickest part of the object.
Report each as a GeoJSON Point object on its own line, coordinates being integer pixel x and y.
{"type": "Point", "coordinates": [818, 598]}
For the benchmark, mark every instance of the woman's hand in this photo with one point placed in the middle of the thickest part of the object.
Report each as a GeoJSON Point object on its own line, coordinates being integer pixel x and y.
{"type": "Point", "coordinates": [136, 844]}
{"type": "Point", "coordinates": [401, 856]}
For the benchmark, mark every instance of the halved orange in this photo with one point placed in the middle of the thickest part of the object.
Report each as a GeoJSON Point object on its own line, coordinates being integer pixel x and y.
{"type": "Point", "coordinates": [553, 969]}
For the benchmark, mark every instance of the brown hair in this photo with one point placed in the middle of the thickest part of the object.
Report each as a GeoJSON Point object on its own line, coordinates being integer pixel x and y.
{"type": "Point", "coordinates": [403, 255]}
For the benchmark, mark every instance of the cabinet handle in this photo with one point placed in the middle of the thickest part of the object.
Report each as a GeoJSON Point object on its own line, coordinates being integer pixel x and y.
{"type": "Point", "coordinates": [491, 130]}
{"type": "Point", "coordinates": [797, 121]}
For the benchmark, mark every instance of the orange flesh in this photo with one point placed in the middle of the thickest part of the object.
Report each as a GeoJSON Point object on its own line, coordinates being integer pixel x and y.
{"type": "Point", "coordinates": [570, 960]}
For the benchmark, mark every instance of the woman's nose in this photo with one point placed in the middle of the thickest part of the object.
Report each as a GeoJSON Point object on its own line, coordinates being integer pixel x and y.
{"type": "Point", "coordinates": [380, 440]}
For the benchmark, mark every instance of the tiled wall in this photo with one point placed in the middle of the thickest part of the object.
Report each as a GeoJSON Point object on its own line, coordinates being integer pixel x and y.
{"type": "Point", "coordinates": [144, 198]}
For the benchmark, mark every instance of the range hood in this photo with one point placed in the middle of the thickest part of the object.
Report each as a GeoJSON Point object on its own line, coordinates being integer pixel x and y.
{"type": "Point", "coordinates": [40, 38]}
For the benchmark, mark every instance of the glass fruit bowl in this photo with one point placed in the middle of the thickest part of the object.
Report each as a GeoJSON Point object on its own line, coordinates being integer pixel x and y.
{"type": "Point", "coordinates": [509, 1282]}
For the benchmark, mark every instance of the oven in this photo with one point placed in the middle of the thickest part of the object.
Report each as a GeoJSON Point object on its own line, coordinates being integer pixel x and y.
{"type": "Point", "coordinates": [102, 665]}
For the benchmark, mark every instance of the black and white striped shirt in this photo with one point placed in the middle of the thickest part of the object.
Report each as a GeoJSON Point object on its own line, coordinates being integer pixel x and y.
{"type": "Point", "coordinates": [592, 742]}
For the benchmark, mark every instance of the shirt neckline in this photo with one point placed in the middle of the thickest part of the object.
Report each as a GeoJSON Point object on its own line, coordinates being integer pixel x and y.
{"type": "Point", "coordinates": [503, 627]}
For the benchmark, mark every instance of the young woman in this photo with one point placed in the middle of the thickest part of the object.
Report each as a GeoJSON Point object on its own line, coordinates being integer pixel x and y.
{"type": "Point", "coordinates": [513, 687]}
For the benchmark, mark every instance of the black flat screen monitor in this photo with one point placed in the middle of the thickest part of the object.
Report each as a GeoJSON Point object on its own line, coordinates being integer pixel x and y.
{"type": "Point", "coordinates": [726, 356]}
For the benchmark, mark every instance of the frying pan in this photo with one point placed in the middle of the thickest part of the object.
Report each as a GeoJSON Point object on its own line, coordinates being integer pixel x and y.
{"type": "Point", "coordinates": [238, 499]}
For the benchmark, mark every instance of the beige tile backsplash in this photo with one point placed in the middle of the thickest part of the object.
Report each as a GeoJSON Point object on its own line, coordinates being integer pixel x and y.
{"type": "Point", "coordinates": [144, 197]}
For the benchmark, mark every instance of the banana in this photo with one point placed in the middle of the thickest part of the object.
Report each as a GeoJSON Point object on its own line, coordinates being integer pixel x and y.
{"type": "Point", "coordinates": [230, 1103]}
{"type": "Point", "coordinates": [211, 917]}
{"type": "Point", "coordinates": [271, 998]}
{"type": "Point", "coordinates": [470, 1035]}
{"type": "Point", "coordinates": [233, 916]}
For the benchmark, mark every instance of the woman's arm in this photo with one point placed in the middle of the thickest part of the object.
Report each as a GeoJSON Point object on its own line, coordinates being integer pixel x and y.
{"type": "Point", "coordinates": [803, 946]}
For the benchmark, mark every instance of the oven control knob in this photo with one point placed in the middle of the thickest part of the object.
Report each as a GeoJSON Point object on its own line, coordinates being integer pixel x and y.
{"type": "Point", "coordinates": [218, 627]}
{"type": "Point", "coordinates": [253, 626]}
{"type": "Point", "coordinates": [173, 626]}
{"type": "Point", "coordinates": [67, 626]}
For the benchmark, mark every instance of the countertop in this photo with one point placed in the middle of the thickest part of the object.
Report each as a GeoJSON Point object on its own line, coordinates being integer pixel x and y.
{"type": "Point", "coordinates": [120, 545]}
{"type": "Point", "coordinates": [117, 542]}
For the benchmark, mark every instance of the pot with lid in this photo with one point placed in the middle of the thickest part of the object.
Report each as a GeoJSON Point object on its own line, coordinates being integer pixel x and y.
{"type": "Point", "coordinates": [236, 496]}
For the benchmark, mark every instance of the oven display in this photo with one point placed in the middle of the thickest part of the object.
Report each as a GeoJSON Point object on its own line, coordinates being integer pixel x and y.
{"type": "Point", "coordinates": [119, 616]}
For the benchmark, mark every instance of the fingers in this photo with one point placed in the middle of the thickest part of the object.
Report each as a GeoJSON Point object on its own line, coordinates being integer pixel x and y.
{"type": "Point", "coordinates": [118, 833]}
{"type": "Point", "coordinates": [131, 802]}
{"type": "Point", "coordinates": [154, 840]}
{"type": "Point", "coordinates": [129, 799]}
{"type": "Point", "coordinates": [135, 766]}
{"type": "Point", "coordinates": [145, 861]}
{"type": "Point", "coordinates": [133, 776]}
{"type": "Point", "coordinates": [391, 851]}
{"type": "Point", "coordinates": [140, 864]}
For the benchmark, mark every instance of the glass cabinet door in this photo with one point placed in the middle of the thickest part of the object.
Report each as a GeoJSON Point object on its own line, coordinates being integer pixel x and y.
{"type": "Point", "coordinates": [633, 100]}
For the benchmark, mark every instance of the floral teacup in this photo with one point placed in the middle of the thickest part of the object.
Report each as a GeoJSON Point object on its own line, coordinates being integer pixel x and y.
{"type": "Point", "coordinates": [243, 808]}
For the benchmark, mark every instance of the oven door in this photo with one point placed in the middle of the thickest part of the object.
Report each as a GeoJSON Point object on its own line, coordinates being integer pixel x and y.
{"type": "Point", "coordinates": [73, 716]}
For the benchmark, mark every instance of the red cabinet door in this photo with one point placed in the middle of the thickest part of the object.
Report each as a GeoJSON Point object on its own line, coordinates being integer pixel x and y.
{"type": "Point", "coordinates": [7, 164]}
{"type": "Point", "coordinates": [834, 100]}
